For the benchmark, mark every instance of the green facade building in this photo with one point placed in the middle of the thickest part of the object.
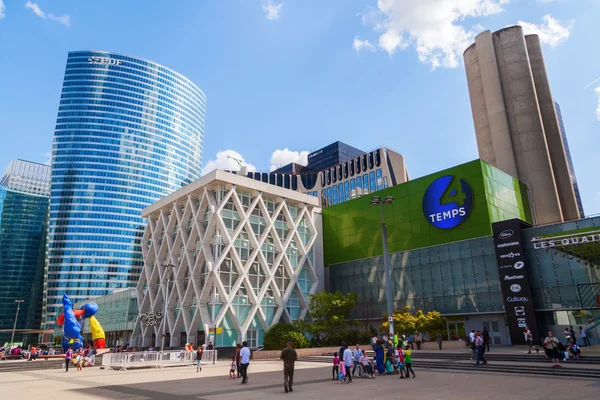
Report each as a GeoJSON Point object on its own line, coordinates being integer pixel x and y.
{"type": "Point", "coordinates": [352, 230]}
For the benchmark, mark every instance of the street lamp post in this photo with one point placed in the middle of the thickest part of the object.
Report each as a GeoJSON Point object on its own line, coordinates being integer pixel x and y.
{"type": "Point", "coordinates": [214, 299]}
{"type": "Point", "coordinates": [12, 339]}
{"type": "Point", "coordinates": [164, 324]}
{"type": "Point", "coordinates": [386, 258]}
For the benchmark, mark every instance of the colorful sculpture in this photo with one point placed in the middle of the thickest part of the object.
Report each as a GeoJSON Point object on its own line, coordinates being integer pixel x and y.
{"type": "Point", "coordinates": [70, 321]}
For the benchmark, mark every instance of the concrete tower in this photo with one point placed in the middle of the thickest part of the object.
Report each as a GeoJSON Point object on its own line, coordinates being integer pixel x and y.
{"type": "Point", "coordinates": [515, 120]}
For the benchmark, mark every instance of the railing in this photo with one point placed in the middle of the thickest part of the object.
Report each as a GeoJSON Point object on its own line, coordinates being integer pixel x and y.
{"type": "Point", "coordinates": [154, 359]}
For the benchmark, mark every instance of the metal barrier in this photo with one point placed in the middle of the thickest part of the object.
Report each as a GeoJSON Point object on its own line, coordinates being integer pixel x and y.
{"type": "Point", "coordinates": [154, 359]}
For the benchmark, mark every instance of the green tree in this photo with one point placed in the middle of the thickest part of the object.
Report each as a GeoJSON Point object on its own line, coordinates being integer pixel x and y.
{"type": "Point", "coordinates": [409, 322]}
{"type": "Point", "coordinates": [277, 336]}
{"type": "Point", "coordinates": [329, 313]}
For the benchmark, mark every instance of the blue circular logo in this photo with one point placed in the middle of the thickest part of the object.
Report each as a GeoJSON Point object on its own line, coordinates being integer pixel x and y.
{"type": "Point", "coordinates": [447, 202]}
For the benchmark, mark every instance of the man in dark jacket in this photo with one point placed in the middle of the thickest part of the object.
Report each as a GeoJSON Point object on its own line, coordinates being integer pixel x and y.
{"type": "Point", "coordinates": [486, 339]}
{"type": "Point", "coordinates": [289, 357]}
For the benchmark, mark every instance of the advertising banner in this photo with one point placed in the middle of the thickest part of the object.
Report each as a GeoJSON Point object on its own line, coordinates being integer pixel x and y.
{"type": "Point", "coordinates": [514, 279]}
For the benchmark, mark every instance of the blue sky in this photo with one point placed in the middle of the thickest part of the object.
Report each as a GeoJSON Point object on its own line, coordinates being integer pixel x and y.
{"type": "Point", "coordinates": [299, 74]}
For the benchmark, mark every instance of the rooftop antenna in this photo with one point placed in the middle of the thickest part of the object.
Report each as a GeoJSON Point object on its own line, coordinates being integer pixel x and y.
{"type": "Point", "coordinates": [243, 169]}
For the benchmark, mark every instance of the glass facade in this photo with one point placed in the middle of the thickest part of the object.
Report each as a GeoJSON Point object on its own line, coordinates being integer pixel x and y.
{"type": "Point", "coordinates": [128, 132]}
{"type": "Point", "coordinates": [23, 228]}
{"type": "Point", "coordinates": [462, 278]}
{"type": "Point", "coordinates": [333, 154]}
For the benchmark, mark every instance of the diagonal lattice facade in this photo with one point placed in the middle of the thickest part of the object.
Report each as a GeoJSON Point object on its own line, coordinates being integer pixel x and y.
{"type": "Point", "coordinates": [227, 252]}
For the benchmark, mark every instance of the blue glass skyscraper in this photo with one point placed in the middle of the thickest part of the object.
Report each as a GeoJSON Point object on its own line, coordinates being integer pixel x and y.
{"type": "Point", "coordinates": [24, 193]}
{"type": "Point", "coordinates": [128, 132]}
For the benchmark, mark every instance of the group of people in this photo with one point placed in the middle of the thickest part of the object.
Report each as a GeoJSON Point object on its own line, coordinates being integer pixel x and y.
{"type": "Point", "coordinates": [557, 350]}
{"type": "Point", "coordinates": [240, 363]}
{"type": "Point", "coordinates": [16, 350]}
{"type": "Point", "coordinates": [82, 357]}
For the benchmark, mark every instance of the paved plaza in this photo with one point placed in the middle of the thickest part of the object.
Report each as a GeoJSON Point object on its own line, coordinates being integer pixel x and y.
{"type": "Point", "coordinates": [313, 381]}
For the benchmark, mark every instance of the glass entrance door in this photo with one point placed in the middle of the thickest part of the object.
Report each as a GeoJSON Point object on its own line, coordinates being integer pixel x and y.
{"type": "Point", "coordinates": [493, 328]}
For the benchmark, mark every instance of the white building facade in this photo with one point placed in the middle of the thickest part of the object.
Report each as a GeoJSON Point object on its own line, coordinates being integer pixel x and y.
{"type": "Point", "coordinates": [230, 253]}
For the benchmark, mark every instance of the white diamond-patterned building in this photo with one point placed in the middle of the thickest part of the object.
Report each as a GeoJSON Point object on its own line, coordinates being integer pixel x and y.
{"type": "Point", "coordinates": [228, 252]}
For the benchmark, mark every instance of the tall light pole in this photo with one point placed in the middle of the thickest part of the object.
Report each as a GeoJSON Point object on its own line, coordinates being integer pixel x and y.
{"type": "Point", "coordinates": [12, 339]}
{"type": "Point", "coordinates": [164, 324]}
{"type": "Point", "coordinates": [376, 201]}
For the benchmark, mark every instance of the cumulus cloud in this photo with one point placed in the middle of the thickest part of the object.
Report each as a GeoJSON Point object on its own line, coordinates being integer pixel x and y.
{"type": "Point", "coordinates": [2, 9]}
{"type": "Point", "coordinates": [37, 10]}
{"type": "Point", "coordinates": [362, 44]}
{"type": "Point", "coordinates": [551, 31]}
{"type": "Point", "coordinates": [279, 158]}
{"type": "Point", "coordinates": [598, 108]}
{"type": "Point", "coordinates": [435, 28]}
{"type": "Point", "coordinates": [225, 162]}
{"type": "Point", "coordinates": [272, 10]}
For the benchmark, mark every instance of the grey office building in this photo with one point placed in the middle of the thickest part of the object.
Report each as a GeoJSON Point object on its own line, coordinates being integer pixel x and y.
{"type": "Point", "coordinates": [516, 122]}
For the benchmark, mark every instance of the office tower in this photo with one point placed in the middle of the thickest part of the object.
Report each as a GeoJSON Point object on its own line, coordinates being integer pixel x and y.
{"type": "Point", "coordinates": [339, 172]}
{"type": "Point", "coordinates": [128, 132]}
{"type": "Point", "coordinates": [563, 134]}
{"type": "Point", "coordinates": [515, 120]}
{"type": "Point", "coordinates": [24, 194]}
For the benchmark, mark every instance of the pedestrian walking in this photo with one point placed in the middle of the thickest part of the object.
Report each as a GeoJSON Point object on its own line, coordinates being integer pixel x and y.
{"type": "Point", "coordinates": [572, 334]}
{"type": "Point", "coordinates": [356, 353]}
{"type": "Point", "coordinates": [486, 339]}
{"type": "Point", "coordinates": [238, 348]}
{"type": "Point", "coordinates": [583, 334]}
{"type": "Point", "coordinates": [472, 337]}
{"type": "Point", "coordinates": [438, 338]}
{"type": "Point", "coordinates": [479, 349]}
{"type": "Point", "coordinates": [199, 354]}
{"type": "Point", "coordinates": [347, 359]}
{"type": "Point", "coordinates": [529, 340]}
{"type": "Point", "coordinates": [551, 345]}
{"type": "Point", "coordinates": [233, 368]}
{"type": "Point", "coordinates": [244, 362]}
{"type": "Point", "coordinates": [418, 340]}
{"type": "Point", "coordinates": [289, 357]}
{"type": "Point", "coordinates": [68, 356]}
{"type": "Point", "coordinates": [408, 362]}
{"type": "Point", "coordinates": [336, 366]}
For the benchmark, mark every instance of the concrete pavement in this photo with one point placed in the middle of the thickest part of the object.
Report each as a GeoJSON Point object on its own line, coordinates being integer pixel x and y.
{"type": "Point", "coordinates": [313, 381]}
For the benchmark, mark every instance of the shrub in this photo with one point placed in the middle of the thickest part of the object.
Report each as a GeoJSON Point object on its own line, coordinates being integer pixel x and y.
{"type": "Point", "coordinates": [277, 337]}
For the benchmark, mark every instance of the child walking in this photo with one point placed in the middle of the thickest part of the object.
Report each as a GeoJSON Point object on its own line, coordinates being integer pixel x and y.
{"type": "Point", "coordinates": [401, 359]}
{"type": "Point", "coordinates": [232, 369]}
{"type": "Point", "coordinates": [342, 374]}
{"type": "Point", "coordinates": [336, 367]}
{"type": "Point", "coordinates": [408, 361]}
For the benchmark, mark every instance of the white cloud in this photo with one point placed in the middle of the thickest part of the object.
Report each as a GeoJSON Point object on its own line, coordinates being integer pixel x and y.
{"type": "Point", "coordinates": [47, 157]}
{"type": "Point", "coordinates": [436, 28]}
{"type": "Point", "coordinates": [598, 108]}
{"type": "Point", "coordinates": [362, 44]}
{"type": "Point", "coordinates": [2, 9]}
{"type": "Point", "coordinates": [279, 158]}
{"type": "Point", "coordinates": [551, 31]}
{"type": "Point", "coordinates": [272, 10]}
{"type": "Point", "coordinates": [65, 19]}
{"type": "Point", "coordinates": [225, 163]}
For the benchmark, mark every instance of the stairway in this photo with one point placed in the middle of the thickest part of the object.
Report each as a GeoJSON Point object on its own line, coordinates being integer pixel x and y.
{"type": "Point", "coordinates": [522, 364]}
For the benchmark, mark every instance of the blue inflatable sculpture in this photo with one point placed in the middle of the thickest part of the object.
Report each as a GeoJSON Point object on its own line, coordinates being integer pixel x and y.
{"type": "Point", "coordinates": [71, 327]}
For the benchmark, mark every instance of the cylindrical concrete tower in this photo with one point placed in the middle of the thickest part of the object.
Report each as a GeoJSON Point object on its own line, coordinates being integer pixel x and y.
{"type": "Point", "coordinates": [560, 165]}
{"type": "Point", "coordinates": [509, 126]}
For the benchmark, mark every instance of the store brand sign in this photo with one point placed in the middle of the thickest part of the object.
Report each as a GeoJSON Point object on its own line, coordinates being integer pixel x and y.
{"type": "Point", "coordinates": [565, 241]}
{"type": "Point", "coordinates": [447, 202]}
{"type": "Point", "coordinates": [104, 60]}
{"type": "Point", "coordinates": [510, 256]}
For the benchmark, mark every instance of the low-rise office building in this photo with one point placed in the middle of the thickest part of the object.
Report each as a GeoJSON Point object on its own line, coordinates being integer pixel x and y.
{"type": "Point", "coordinates": [230, 255]}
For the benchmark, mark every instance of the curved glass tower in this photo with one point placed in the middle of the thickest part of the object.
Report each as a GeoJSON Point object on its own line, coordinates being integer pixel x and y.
{"type": "Point", "coordinates": [128, 132]}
